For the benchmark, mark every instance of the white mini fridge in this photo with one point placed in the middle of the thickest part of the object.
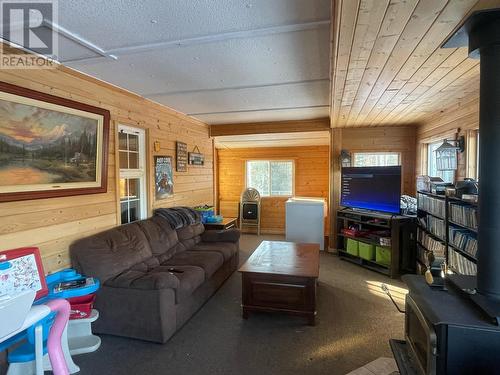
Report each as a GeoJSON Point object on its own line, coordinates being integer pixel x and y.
{"type": "Point", "coordinates": [305, 220]}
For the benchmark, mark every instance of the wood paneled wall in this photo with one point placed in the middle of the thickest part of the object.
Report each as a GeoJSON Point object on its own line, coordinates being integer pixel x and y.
{"type": "Point", "coordinates": [371, 139]}
{"type": "Point", "coordinates": [461, 118]}
{"type": "Point", "coordinates": [311, 180]}
{"type": "Point", "coordinates": [52, 224]}
{"type": "Point", "coordinates": [390, 139]}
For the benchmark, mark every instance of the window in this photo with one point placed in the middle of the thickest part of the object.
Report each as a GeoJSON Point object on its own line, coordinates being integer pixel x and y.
{"type": "Point", "coordinates": [447, 176]}
{"type": "Point", "coordinates": [270, 178]}
{"type": "Point", "coordinates": [132, 160]}
{"type": "Point", "coordinates": [376, 159]}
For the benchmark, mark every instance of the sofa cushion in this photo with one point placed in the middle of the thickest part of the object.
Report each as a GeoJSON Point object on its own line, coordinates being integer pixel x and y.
{"type": "Point", "coordinates": [146, 265]}
{"type": "Point", "coordinates": [174, 250]}
{"type": "Point", "coordinates": [210, 261]}
{"type": "Point", "coordinates": [109, 253]}
{"type": "Point", "coordinates": [189, 278]}
{"type": "Point", "coordinates": [144, 280]}
{"type": "Point", "coordinates": [184, 280]}
{"type": "Point", "coordinates": [190, 235]}
{"type": "Point", "coordinates": [162, 238]}
{"type": "Point", "coordinates": [226, 249]}
{"type": "Point", "coordinates": [190, 231]}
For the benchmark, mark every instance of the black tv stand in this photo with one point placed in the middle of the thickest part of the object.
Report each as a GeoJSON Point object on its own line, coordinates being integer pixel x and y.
{"type": "Point", "coordinates": [370, 212]}
{"type": "Point", "coordinates": [401, 230]}
{"type": "Point", "coordinates": [359, 210]}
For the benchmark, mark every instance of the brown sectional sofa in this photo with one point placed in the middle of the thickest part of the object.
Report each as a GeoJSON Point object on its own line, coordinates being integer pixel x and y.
{"type": "Point", "coordinates": [154, 278]}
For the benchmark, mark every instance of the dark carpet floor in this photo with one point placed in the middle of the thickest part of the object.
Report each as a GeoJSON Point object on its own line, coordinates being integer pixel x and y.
{"type": "Point", "coordinates": [355, 322]}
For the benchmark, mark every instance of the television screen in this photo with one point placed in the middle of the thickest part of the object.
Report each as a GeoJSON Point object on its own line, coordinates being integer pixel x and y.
{"type": "Point", "coordinates": [372, 188]}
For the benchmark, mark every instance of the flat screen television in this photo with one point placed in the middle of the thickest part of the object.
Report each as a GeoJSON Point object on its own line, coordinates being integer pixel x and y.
{"type": "Point", "coordinates": [372, 188]}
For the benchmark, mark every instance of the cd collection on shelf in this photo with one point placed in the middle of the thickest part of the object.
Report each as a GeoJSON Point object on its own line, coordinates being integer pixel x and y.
{"type": "Point", "coordinates": [435, 226]}
{"type": "Point", "coordinates": [434, 206]}
{"type": "Point", "coordinates": [448, 228]}
{"type": "Point", "coordinates": [460, 264]}
{"type": "Point", "coordinates": [463, 215]}
{"type": "Point", "coordinates": [463, 240]}
{"type": "Point", "coordinates": [430, 244]}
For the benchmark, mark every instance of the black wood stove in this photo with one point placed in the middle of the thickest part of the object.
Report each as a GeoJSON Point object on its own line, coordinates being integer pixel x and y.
{"type": "Point", "coordinates": [445, 333]}
{"type": "Point", "coordinates": [456, 329]}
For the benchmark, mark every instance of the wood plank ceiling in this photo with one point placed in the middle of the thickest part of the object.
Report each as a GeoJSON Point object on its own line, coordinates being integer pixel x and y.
{"type": "Point", "coordinates": [387, 64]}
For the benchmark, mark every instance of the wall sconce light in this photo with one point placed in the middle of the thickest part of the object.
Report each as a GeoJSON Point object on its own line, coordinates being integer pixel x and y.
{"type": "Point", "coordinates": [345, 158]}
{"type": "Point", "coordinates": [446, 154]}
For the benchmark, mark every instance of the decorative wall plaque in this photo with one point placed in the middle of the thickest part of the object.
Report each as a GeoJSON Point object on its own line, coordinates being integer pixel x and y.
{"type": "Point", "coordinates": [196, 157]}
{"type": "Point", "coordinates": [181, 157]}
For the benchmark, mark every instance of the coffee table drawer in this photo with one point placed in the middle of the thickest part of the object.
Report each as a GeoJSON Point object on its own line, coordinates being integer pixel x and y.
{"type": "Point", "coordinates": [278, 295]}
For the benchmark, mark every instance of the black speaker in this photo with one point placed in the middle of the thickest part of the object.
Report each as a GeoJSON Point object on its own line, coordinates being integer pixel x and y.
{"type": "Point", "coordinates": [250, 211]}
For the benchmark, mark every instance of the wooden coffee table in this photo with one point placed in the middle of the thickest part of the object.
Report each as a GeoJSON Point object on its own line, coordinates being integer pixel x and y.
{"type": "Point", "coordinates": [281, 277]}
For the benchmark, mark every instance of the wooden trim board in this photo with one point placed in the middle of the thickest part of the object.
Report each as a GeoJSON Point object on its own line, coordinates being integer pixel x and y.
{"type": "Point", "coordinates": [270, 127]}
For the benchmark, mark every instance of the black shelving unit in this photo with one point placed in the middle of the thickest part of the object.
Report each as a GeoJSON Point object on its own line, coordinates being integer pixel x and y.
{"type": "Point", "coordinates": [439, 207]}
{"type": "Point", "coordinates": [430, 207]}
{"type": "Point", "coordinates": [367, 240]}
{"type": "Point", "coordinates": [400, 229]}
{"type": "Point", "coordinates": [461, 259]}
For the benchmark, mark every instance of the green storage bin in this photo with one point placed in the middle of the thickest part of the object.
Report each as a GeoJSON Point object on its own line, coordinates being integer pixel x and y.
{"type": "Point", "coordinates": [353, 247]}
{"type": "Point", "coordinates": [366, 251]}
{"type": "Point", "coordinates": [383, 255]}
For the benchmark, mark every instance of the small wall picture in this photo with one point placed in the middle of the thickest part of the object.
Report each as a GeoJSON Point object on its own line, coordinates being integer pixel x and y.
{"type": "Point", "coordinates": [164, 180]}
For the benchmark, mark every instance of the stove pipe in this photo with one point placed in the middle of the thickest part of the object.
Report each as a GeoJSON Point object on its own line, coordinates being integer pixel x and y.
{"type": "Point", "coordinates": [481, 32]}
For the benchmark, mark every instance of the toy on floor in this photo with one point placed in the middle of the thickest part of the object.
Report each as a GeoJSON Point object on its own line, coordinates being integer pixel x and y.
{"type": "Point", "coordinates": [56, 355]}
{"type": "Point", "coordinates": [47, 330]}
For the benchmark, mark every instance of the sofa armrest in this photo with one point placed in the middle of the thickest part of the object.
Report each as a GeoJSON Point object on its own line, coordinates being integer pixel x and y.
{"type": "Point", "coordinates": [229, 235]}
{"type": "Point", "coordinates": [142, 314]}
{"type": "Point", "coordinates": [144, 281]}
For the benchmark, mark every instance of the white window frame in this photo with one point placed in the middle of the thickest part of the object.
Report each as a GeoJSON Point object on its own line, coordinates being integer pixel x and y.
{"type": "Point", "coordinates": [270, 177]}
{"type": "Point", "coordinates": [139, 173]}
{"type": "Point", "coordinates": [376, 153]}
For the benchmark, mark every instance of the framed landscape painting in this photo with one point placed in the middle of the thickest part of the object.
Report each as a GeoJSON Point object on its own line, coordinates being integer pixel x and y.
{"type": "Point", "coordinates": [50, 146]}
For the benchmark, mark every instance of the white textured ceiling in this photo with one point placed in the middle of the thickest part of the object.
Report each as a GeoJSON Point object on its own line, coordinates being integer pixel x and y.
{"type": "Point", "coordinates": [222, 61]}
